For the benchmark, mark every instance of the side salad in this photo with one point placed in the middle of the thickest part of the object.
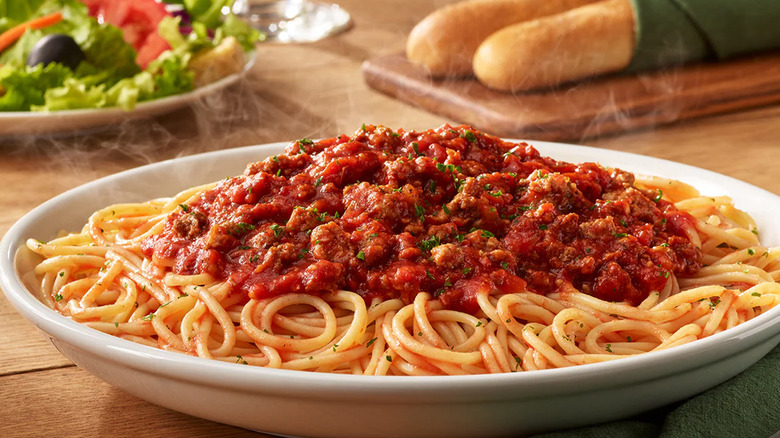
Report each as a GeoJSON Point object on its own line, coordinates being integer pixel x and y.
{"type": "Point", "coordinates": [74, 54]}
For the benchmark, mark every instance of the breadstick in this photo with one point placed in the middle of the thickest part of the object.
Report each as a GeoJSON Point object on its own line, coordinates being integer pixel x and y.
{"type": "Point", "coordinates": [582, 42]}
{"type": "Point", "coordinates": [446, 39]}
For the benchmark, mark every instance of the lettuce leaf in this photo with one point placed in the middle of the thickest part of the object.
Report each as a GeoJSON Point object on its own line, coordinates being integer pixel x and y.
{"type": "Point", "coordinates": [208, 12]}
{"type": "Point", "coordinates": [74, 94]}
{"type": "Point", "coordinates": [25, 88]}
{"type": "Point", "coordinates": [106, 52]}
{"type": "Point", "coordinates": [13, 12]}
{"type": "Point", "coordinates": [241, 30]}
{"type": "Point", "coordinates": [127, 92]}
{"type": "Point", "coordinates": [170, 74]}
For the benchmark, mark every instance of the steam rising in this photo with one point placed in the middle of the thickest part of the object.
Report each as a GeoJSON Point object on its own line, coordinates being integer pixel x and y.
{"type": "Point", "coordinates": [241, 114]}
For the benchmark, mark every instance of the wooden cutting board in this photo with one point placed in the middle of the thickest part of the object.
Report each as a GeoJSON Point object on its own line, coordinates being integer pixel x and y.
{"type": "Point", "coordinates": [585, 109]}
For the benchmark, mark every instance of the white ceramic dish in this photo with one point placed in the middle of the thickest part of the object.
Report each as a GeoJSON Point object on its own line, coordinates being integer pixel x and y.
{"type": "Point", "coordinates": [314, 404]}
{"type": "Point", "coordinates": [15, 123]}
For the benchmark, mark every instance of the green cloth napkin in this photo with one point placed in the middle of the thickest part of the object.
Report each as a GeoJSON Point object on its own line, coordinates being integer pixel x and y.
{"type": "Point", "coordinates": [672, 32]}
{"type": "Point", "coordinates": [746, 406]}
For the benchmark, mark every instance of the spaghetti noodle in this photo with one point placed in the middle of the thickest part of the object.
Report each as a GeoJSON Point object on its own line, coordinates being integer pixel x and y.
{"type": "Point", "coordinates": [415, 253]}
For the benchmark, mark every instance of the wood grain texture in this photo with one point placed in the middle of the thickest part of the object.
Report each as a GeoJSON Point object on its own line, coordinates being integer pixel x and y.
{"type": "Point", "coordinates": [312, 90]}
{"type": "Point", "coordinates": [590, 108]}
{"type": "Point", "coordinates": [86, 406]}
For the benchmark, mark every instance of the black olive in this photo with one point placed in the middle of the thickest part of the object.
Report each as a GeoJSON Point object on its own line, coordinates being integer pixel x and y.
{"type": "Point", "coordinates": [56, 48]}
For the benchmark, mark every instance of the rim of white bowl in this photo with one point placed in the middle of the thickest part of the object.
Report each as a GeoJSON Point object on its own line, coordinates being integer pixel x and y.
{"type": "Point", "coordinates": [582, 378]}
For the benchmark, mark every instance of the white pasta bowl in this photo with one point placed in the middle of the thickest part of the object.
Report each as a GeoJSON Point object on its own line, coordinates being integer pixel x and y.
{"type": "Point", "coordinates": [318, 404]}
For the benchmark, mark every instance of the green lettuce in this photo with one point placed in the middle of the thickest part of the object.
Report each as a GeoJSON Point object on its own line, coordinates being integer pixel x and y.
{"type": "Point", "coordinates": [208, 12]}
{"type": "Point", "coordinates": [73, 94]}
{"type": "Point", "coordinates": [25, 88]}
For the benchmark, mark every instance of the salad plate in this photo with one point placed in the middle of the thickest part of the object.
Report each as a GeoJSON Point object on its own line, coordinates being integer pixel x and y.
{"type": "Point", "coordinates": [16, 123]}
{"type": "Point", "coordinates": [275, 401]}
{"type": "Point", "coordinates": [69, 66]}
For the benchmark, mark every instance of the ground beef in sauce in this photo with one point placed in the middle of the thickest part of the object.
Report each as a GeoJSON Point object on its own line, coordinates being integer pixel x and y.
{"type": "Point", "coordinates": [452, 212]}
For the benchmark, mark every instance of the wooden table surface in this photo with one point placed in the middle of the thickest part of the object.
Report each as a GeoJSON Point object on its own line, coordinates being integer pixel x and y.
{"type": "Point", "coordinates": [293, 91]}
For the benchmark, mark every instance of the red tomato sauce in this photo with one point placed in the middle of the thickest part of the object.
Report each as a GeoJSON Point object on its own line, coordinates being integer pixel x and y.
{"type": "Point", "coordinates": [452, 212]}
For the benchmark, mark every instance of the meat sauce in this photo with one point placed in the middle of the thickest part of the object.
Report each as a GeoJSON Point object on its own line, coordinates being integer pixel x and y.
{"type": "Point", "coordinates": [452, 212]}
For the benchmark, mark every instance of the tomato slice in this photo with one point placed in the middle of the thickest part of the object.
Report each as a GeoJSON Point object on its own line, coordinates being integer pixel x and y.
{"type": "Point", "coordinates": [138, 20]}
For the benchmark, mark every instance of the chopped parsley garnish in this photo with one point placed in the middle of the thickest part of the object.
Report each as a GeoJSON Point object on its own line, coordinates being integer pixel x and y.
{"type": "Point", "coordinates": [419, 211]}
{"type": "Point", "coordinates": [429, 243]}
{"type": "Point", "coordinates": [468, 135]}
{"type": "Point", "coordinates": [466, 270]}
{"type": "Point", "coordinates": [447, 167]}
{"type": "Point", "coordinates": [543, 227]}
{"type": "Point", "coordinates": [487, 234]}
{"type": "Point", "coordinates": [658, 196]}
{"type": "Point", "coordinates": [302, 142]}
{"type": "Point", "coordinates": [277, 229]}
{"type": "Point", "coordinates": [361, 255]}
{"type": "Point", "coordinates": [368, 344]}
{"type": "Point", "coordinates": [184, 208]}
{"type": "Point", "coordinates": [243, 227]}
{"type": "Point", "coordinates": [57, 297]}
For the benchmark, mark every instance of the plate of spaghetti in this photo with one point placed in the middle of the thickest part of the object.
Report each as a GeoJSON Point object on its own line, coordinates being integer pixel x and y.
{"type": "Point", "coordinates": [401, 283]}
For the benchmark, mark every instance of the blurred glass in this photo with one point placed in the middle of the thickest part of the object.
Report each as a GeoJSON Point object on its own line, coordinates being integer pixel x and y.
{"type": "Point", "coordinates": [293, 21]}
